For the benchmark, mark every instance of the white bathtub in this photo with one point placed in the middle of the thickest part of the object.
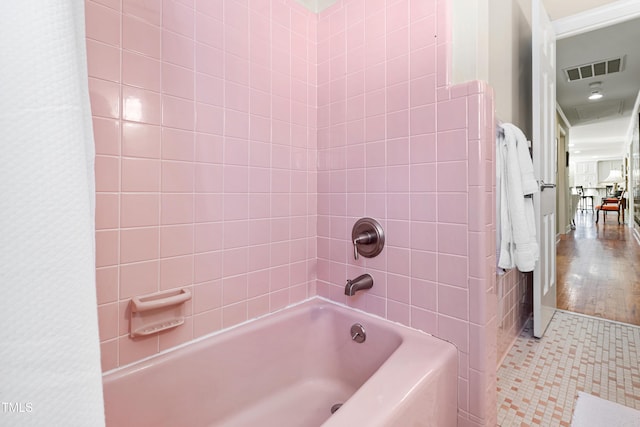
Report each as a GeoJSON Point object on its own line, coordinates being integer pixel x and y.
{"type": "Point", "coordinates": [289, 369]}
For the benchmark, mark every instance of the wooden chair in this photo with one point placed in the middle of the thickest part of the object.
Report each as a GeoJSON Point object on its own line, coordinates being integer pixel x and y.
{"type": "Point", "coordinates": [609, 204]}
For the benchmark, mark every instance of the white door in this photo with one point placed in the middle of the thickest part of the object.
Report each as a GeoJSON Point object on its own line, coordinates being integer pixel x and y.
{"type": "Point", "coordinates": [544, 162]}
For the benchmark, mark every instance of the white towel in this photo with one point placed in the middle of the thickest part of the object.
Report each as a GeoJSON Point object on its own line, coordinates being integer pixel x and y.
{"type": "Point", "coordinates": [49, 347]}
{"type": "Point", "coordinates": [514, 168]}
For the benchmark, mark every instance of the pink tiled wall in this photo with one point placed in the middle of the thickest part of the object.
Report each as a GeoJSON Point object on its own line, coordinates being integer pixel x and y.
{"type": "Point", "coordinates": [515, 305]}
{"type": "Point", "coordinates": [398, 144]}
{"type": "Point", "coordinates": [204, 120]}
{"type": "Point", "coordinates": [238, 141]}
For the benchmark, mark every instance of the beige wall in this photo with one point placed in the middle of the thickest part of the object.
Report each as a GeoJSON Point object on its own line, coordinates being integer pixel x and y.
{"type": "Point", "coordinates": [470, 38]}
{"type": "Point", "coordinates": [492, 42]}
{"type": "Point", "coordinates": [510, 61]}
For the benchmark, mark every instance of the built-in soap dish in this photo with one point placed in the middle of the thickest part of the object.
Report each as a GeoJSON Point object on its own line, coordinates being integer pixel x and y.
{"type": "Point", "coordinates": [157, 312]}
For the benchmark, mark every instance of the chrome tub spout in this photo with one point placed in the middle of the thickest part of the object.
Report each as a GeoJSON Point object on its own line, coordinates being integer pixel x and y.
{"type": "Point", "coordinates": [360, 283]}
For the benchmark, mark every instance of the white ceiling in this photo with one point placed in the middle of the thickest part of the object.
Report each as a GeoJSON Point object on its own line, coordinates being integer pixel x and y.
{"type": "Point", "coordinates": [561, 9]}
{"type": "Point", "coordinates": [599, 132]}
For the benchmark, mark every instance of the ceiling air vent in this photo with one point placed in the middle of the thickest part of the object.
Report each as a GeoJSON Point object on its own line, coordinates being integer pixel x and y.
{"type": "Point", "coordinates": [594, 69]}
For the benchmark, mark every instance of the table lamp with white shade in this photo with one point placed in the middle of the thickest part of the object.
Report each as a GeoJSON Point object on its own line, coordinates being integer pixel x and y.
{"type": "Point", "coordinates": [614, 177]}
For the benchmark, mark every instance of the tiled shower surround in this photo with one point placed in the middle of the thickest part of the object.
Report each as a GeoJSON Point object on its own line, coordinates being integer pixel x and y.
{"type": "Point", "coordinates": [239, 140]}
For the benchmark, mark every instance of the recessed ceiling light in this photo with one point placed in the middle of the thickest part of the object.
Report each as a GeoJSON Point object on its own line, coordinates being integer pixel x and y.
{"type": "Point", "coordinates": [572, 145]}
{"type": "Point", "coordinates": [577, 152]}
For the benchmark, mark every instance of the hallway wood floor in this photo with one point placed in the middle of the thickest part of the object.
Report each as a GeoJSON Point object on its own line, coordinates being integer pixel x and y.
{"type": "Point", "coordinates": [598, 268]}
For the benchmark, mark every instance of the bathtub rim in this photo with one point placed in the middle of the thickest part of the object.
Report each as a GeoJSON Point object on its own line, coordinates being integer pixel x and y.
{"type": "Point", "coordinates": [115, 371]}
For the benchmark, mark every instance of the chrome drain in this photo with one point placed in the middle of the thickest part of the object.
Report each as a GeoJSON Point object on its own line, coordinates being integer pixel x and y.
{"type": "Point", "coordinates": [335, 407]}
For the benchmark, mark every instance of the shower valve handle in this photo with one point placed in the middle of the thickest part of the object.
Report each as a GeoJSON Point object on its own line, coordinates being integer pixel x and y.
{"type": "Point", "coordinates": [364, 238]}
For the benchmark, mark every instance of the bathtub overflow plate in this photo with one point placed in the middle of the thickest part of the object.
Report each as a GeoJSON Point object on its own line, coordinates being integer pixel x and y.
{"type": "Point", "coordinates": [357, 333]}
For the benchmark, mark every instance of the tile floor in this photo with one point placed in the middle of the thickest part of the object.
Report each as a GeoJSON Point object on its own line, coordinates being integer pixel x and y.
{"type": "Point", "coordinates": [539, 380]}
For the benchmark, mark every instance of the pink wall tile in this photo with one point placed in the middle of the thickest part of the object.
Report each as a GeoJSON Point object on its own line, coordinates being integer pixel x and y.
{"type": "Point", "coordinates": [106, 135]}
{"type": "Point", "coordinates": [207, 322]}
{"type": "Point", "coordinates": [177, 177]}
{"type": "Point", "coordinates": [103, 61]}
{"type": "Point", "coordinates": [399, 233]}
{"type": "Point", "coordinates": [424, 320]}
{"type": "Point", "coordinates": [452, 239]}
{"type": "Point", "coordinates": [178, 17]}
{"type": "Point", "coordinates": [139, 244]}
{"type": "Point", "coordinates": [108, 321]}
{"type": "Point", "coordinates": [107, 284]}
{"type": "Point", "coordinates": [423, 62]}
{"type": "Point", "coordinates": [139, 105]}
{"type": "Point", "coordinates": [234, 290]}
{"type": "Point", "coordinates": [452, 176]}
{"type": "Point", "coordinates": [452, 145]}
{"type": "Point", "coordinates": [423, 120]}
{"type": "Point", "coordinates": [398, 312]}
{"type": "Point", "coordinates": [234, 314]}
{"type": "Point", "coordinates": [140, 174]}
{"type": "Point", "coordinates": [207, 266]}
{"type": "Point", "coordinates": [208, 148]}
{"type": "Point", "coordinates": [178, 50]}
{"type": "Point", "coordinates": [176, 272]}
{"type": "Point", "coordinates": [176, 240]}
{"type": "Point", "coordinates": [138, 279]}
{"type": "Point", "coordinates": [140, 140]}
{"type": "Point", "coordinates": [397, 68]}
{"type": "Point", "coordinates": [453, 302]}
{"type": "Point", "coordinates": [178, 113]}
{"type": "Point", "coordinates": [453, 270]}
{"type": "Point", "coordinates": [209, 30]}
{"type": "Point", "coordinates": [107, 172]}
{"type": "Point", "coordinates": [105, 98]}
{"type": "Point", "coordinates": [207, 296]}
{"type": "Point", "coordinates": [107, 247]}
{"type": "Point", "coordinates": [113, 4]}
{"type": "Point", "coordinates": [209, 119]}
{"type": "Point", "coordinates": [109, 354]}
{"type": "Point", "coordinates": [177, 81]}
{"type": "Point", "coordinates": [139, 210]}
{"type": "Point", "coordinates": [213, 9]}
{"type": "Point", "coordinates": [141, 37]}
{"type": "Point", "coordinates": [208, 207]}
{"type": "Point", "coordinates": [210, 90]}
{"type": "Point", "coordinates": [423, 235]}
{"type": "Point", "coordinates": [130, 351]}
{"type": "Point", "coordinates": [208, 178]}
{"type": "Point", "coordinates": [151, 12]}
{"type": "Point", "coordinates": [455, 331]}
{"type": "Point", "coordinates": [102, 23]}
{"type": "Point", "coordinates": [452, 208]}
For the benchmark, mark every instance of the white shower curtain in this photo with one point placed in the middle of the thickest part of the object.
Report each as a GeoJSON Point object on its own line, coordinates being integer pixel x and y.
{"type": "Point", "coordinates": [49, 347]}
